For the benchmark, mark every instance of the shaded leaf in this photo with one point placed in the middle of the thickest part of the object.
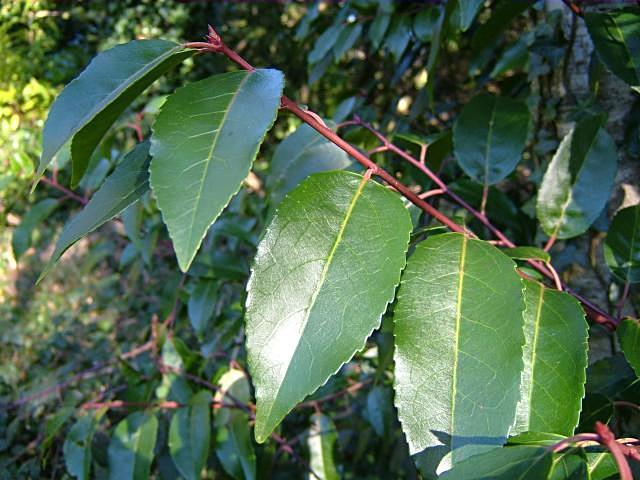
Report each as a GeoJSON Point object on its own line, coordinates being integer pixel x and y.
{"type": "Point", "coordinates": [201, 304]}
{"type": "Point", "coordinates": [325, 42]}
{"type": "Point", "coordinates": [77, 447]}
{"type": "Point", "coordinates": [577, 183]}
{"type": "Point", "coordinates": [379, 27]}
{"type": "Point", "coordinates": [398, 36]}
{"type": "Point", "coordinates": [601, 465]}
{"type": "Point", "coordinates": [536, 438]}
{"type": "Point", "coordinates": [346, 40]}
{"type": "Point", "coordinates": [89, 105]}
{"type": "Point", "coordinates": [555, 361]}
{"type": "Point", "coordinates": [509, 463]}
{"type": "Point", "coordinates": [622, 245]}
{"type": "Point", "coordinates": [615, 37]}
{"type": "Point", "coordinates": [629, 336]}
{"type": "Point", "coordinates": [427, 22]}
{"type": "Point", "coordinates": [467, 11]}
{"type": "Point", "coordinates": [527, 253]}
{"type": "Point", "coordinates": [308, 313]}
{"type": "Point", "coordinates": [128, 182]}
{"type": "Point", "coordinates": [21, 238]}
{"type": "Point", "coordinates": [322, 437]}
{"type": "Point", "coordinates": [204, 141]}
{"type": "Point", "coordinates": [189, 435]}
{"type": "Point", "coordinates": [131, 447]}
{"type": "Point", "coordinates": [489, 136]}
{"type": "Point", "coordinates": [379, 410]}
{"type": "Point", "coordinates": [568, 466]}
{"type": "Point", "coordinates": [457, 296]}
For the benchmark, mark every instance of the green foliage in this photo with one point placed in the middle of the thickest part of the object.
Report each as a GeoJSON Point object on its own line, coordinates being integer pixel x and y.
{"type": "Point", "coordinates": [131, 447]}
{"type": "Point", "coordinates": [622, 245]}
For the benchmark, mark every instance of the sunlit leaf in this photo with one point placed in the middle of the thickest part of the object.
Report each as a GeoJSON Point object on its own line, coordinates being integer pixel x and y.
{"type": "Point", "coordinates": [321, 440]}
{"type": "Point", "coordinates": [131, 447]}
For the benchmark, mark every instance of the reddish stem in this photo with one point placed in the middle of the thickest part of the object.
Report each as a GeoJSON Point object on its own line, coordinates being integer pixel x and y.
{"type": "Point", "coordinates": [550, 242]}
{"type": "Point", "coordinates": [609, 441]}
{"type": "Point", "coordinates": [53, 183]}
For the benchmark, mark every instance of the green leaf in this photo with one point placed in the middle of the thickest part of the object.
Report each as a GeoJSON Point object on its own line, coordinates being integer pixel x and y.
{"type": "Point", "coordinates": [379, 27]}
{"type": "Point", "coordinates": [629, 336]}
{"type": "Point", "coordinates": [54, 424]}
{"type": "Point", "coordinates": [201, 304]}
{"type": "Point", "coordinates": [467, 11]}
{"type": "Point", "coordinates": [325, 42]}
{"type": "Point", "coordinates": [568, 466]}
{"type": "Point", "coordinates": [577, 183]}
{"type": "Point", "coordinates": [128, 182]}
{"type": "Point", "coordinates": [299, 155]}
{"type": "Point", "coordinates": [509, 463]}
{"type": "Point", "coordinates": [398, 36]}
{"type": "Point", "coordinates": [173, 387]}
{"type": "Point", "coordinates": [346, 40]}
{"type": "Point", "coordinates": [324, 273]}
{"type": "Point", "coordinates": [615, 37]}
{"type": "Point", "coordinates": [204, 141]}
{"type": "Point", "coordinates": [77, 448]}
{"type": "Point", "coordinates": [555, 361]}
{"type": "Point", "coordinates": [189, 435]}
{"type": "Point", "coordinates": [379, 410]}
{"type": "Point", "coordinates": [426, 23]}
{"type": "Point", "coordinates": [601, 465]}
{"type": "Point", "coordinates": [233, 434]}
{"type": "Point", "coordinates": [489, 136]}
{"type": "Point", "coordinates": [21, 238]}
{"type": "Point", "coordinates": [322, 437]}
{"type": "Point", "coordinates": [622, 245]}
{"type": "Point", "coordinates": [131, 447]}
{"type": "Point", "coordinates": [457, 297]}
{"type": "Point", "coordinates": [536, 438]}
{"type": "Point", "coordinates": [527, 253]}
{"type": "Point", "coordinates": [89, 105]}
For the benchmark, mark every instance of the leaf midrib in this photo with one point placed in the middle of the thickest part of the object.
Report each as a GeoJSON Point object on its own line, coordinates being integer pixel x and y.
{"type": "Point", "coordinates": [632, 245]}
{"type": "Point", "coordinates": [487, 150]}
{"type": "Point", "coordinates": [626, 47]}
{"type": "Point", "coordinates": [534, 346]}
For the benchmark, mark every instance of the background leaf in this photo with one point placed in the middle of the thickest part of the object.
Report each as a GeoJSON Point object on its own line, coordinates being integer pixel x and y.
{"type": "Point", "coordinates": [578, 181]}
{"type": "Point", "coordinates": [131, 447]}
{"type": "Point", "coordinates": [77, 447]}
{"type": "Point", "coordinates": [201, 304]}
{"type": "Point", "coordinates": [21, 239]}
{"type": "Point", "coordinates": [457, 296]}
{"type": "Point", "coordinates": [467, 11]}
{"type": "Point", "coordinates": [87, 107]}
{"type": "Point", "coordinates": [629, 336]}
{"type": "Point", "coordinates": [555, 361]}
{"type": "Point", "coordinates": [622, 245]}
{"type": "Point", "coordinates": [309, 312]}
{"type": "Point", "coordinates": [204, 141]}
{"type": "Point", "coordinates": [321, 440]}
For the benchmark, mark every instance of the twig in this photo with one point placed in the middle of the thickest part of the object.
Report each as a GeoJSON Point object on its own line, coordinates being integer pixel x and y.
{"type": "Point", "coordinates": [609, 440]}
{"type": "Point", "coordinates": [68, 193]}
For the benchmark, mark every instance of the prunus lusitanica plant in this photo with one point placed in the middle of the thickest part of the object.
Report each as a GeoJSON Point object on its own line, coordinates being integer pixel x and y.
{"type": "Point", "coordinates": [417, 271]}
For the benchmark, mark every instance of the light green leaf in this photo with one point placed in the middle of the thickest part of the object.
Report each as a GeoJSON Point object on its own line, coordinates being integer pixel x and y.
{"type": "Point", "coordinates": [555, 361]}
{"type": "Point", "coordinates": [458, 296]}
{"type": "Point", "coordinates": [322, 437]}
{"type": "Point", "coordinates": [201, 304]}
{"type": "Point", "coordinates": [89, 105]}
{"type": "Point", "coordinates": [622, 245]}
{"type": "Point", "coordinates": [204, 141]}
{"type": "Point", "coordinates": [77, 448]}
{"type": "Point", "coordinates": [615, 37]}
{"type": "Point", "coordinates": [131, 447]}
{"type": "Point", "coordinates": [489, 136]}
{"type": "Point", "coordinates": [21, 238]}
{"type": "Point", "coordinates": [324, 273]}
{"type": "Point", "coordinates": [629, 336]}
{"type": "Point", "coordinates": [568, 466]}
{"type": "Point", "coordinates": [508, 463]}
{"type": "Point", "coordinates": [233, 434]}
{"type": "Point", "coordinates": [299, 155]}
{"type": "Point", "coordinates": [467, 11]}
{"type": "Point", "coordinates": [189, 436]}
{"type": "Point", "coordinates": [577, 183]}
{"type": "Point", "coordinates": [601, 465]}
{"type": "Point", "coordinates": [536, 438]}
{"type": "Point", "coordinates": [128, 182]}
{"type": "Point", "coordinates": [527, 253]}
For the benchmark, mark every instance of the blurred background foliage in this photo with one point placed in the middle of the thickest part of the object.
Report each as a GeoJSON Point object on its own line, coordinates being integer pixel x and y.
{"type": "Point", "coordinates": [407, 66]}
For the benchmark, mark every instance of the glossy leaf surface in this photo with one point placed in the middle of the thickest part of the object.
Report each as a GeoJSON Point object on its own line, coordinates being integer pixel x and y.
{"type": "Point", "coordinates": [458, 296]}
{"type": "Point", "coordinates": [189, 436]}
{"type": "Point", "coordinates": [204, 141]}
{"type": "Point", "coordinates": [489, 136]}
{"type": "Point", "coordinates": [89, 105]}
{"type": "Point", "coordinates": [324, 273]}
{"type": "Point", "coordinates": [615, 37]}
{"type": "Point", "coordinates": [622, 245]}
{"type": "Point", "coordinates": [131, 447]}
{"type": "Point", "coordinates": [629, 336]}
{"type": "Point", "coordinates": [321, 440]}
{"type": "Point", "coordinates": [128, 182]}
{"type": "Point", "coordinates": [555, 361]}
{"type": "Point", "coordinates": [577, 183]}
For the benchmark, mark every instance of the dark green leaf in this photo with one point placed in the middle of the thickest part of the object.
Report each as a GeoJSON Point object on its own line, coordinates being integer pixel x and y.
{"type": "Point", "coordinates": [528, 253]}
{"type": "Point", "coordinates": [131, 447]}
{"type": "Point", "coordinates": [502, 15]}
{"type": "Point", "coordinates": [321, 439]}
{"type": "Point", "coordinates": [595, 408]}
{"type": "Point", "coordinates": [536, 438]}
{"type": "Point", "coordinates": [77, 448]}
{"type": "Point", "coordinates": [555, 361]}
{"type": "Point", "coordinates": [324, 273]}
{"type": "Point", "coordinates": [233, 434]}
{"type": "Point", "coordinates": [427, 22]}
{"type": "Point", "coordinates": [54, 424]}
{"type": "Point", "coordinates": [379, 27]}
{"type": "Point", "coordinates": [467, 11]}
{"type": "Point", "coordinates": [629, 336]}
{"type": "Point", "coordinates": [398, 36]}
{"type": "Point", "coordinates": [615, 37]}
{"type": "Point", "coordinates": [299, 155]}
{"type": "Point", "coordinates": [189, 436]}
{"type": "Point", "coordinates": [457, 296]}
{"type": "Point", "coordinates": [489, 136]}
{"type": "Point", "coordinates": [202, 302]}
{"type": "Point", "coordinates": [325, 42]}
{"type": "Point", "coordinates": [379, 410]}
{"type": "Point", "coordinates": [21, 238]}
{"type": "Point", "coordinates": [128, 182]}
{"type": "Point", "coordinates": [577, 183]}
{"type": "Point", "coordinates": [622, 245]}
{"type": "Point", "coordinates": [568, 466]}
{"type": "Point", "coordinates": [346, 40]}
{"type": "Point", "coordinates": [601, 465]}
{"type": "Point", "coordinates": [89, 105]}
{"type": "Point", "coordinates": [509, 463]}
{"type": "Point", "coordinates": [203, 144]}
